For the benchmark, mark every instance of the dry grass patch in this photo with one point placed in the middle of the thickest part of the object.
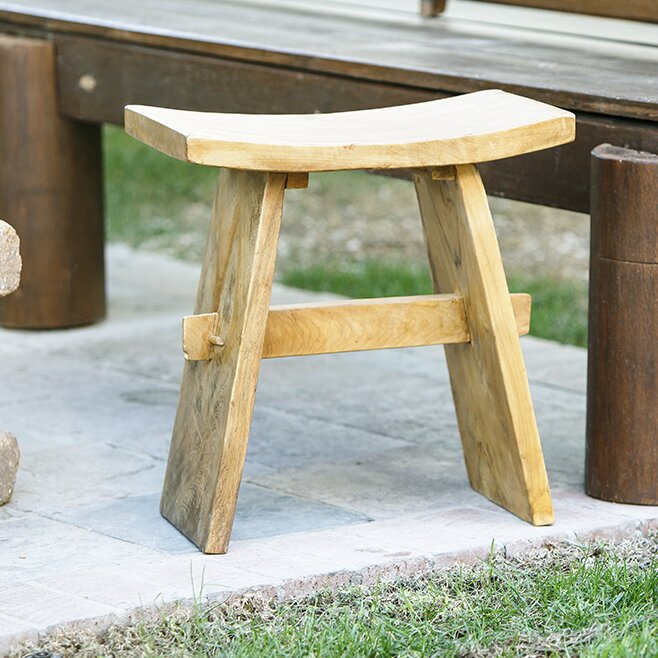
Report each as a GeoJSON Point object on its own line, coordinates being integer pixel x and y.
{"type": "Point", "coordinates": [560, 600]}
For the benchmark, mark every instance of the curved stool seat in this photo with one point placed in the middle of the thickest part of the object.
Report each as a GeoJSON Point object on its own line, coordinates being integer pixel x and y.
{"type": "Point", "coordinates": [477, 127]}
{"type": "Point", "coordinates": [471, 313]}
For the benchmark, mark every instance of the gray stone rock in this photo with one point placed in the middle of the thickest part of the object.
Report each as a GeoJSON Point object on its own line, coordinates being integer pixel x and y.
{"type": "Point", "coordinates": [10, 259]}
{"type": "Point", "coordinates": [9, 456]}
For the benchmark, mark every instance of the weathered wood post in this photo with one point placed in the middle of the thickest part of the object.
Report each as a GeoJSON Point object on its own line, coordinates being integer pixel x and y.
{"type": "Point", "coordinates": [430, 8]}
{"type": "Point", "coordinates": [50, 192]}
{"type": "Point", "coordinates": [10, 274]}
{"type": "Point", "coordinates": [622, 408]}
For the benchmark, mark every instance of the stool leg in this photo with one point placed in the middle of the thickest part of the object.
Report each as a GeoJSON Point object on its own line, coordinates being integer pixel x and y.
{"type": "Point", "coordinates": [217, 396]}
{"type": "Point", "coordinates": [489, 383]}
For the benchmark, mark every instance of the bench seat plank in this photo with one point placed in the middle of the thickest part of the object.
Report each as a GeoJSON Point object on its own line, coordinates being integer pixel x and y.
{"type": "Point", "coordinates": [576, 73]}
{"type": "Point", "coordinates": [478, 127]}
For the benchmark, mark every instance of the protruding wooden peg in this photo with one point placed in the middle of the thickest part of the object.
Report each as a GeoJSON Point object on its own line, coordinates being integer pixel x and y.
{"type": "Point", "coordinates": [297, 181]}
{"type": "Point", "coordinates": [218, 341]}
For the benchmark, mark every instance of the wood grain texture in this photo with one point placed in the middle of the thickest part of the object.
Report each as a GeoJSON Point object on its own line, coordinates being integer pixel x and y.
{"type": "Point", "coordinates": [10, 260]}
{"type": "Point", "coordinates": [486, 125]}
{"type": "Point", "coordinates": [217, 396]}
{"type": "Point", "coordinates": [634, 10]}
{"type": "Point", "coordinates": [490, 388]}
{"type": "Point", "coordinates": [372, 324]}
{"type": "Point", "coordinates": [363, 324]}
{"type": "Point", "coordinates": [577, 73]}
{"type": "Point", "coordinates": [622, 403]}
{"type": "Point", "coordinates": [50, 192]}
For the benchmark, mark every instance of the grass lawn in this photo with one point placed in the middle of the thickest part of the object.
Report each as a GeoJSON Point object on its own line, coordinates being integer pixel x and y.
{"type": "Point", "coordinates": [563, 600]}
{"type": "Point", "coordinates": [162, 204]}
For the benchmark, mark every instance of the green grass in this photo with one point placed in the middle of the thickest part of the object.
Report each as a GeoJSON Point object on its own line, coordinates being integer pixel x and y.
{"type": "Point", "coordinates": [151, 199]}
{"type": "Point", "coordinates": [595, 605]}
{"type": "Point", "coordinates": [559, 310]}
{"type": "Point", "coordinates": [569, 601]}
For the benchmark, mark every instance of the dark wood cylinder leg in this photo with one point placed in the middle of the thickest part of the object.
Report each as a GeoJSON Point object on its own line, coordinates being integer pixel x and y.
{"type": "Point", "coordinates": [51, 192]}
{"type": "Point", "coordinates": [621, 462]}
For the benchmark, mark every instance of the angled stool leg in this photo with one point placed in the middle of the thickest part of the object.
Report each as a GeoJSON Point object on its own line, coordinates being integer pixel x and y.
{"type": "Point", "coordinates": [217, 396]}
{"type": "Point", "coordinates": [489, 383]}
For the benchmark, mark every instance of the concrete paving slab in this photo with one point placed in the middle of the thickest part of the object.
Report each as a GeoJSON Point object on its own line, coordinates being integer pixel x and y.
{"type": "Point", "coordinates": [262, 513]}
{"type": "Point", "coordinates": [33, 546]}
{"type": "Point", "coordinates": [44, 607]}
{"type": "Point", "coordinates": [354, 470]}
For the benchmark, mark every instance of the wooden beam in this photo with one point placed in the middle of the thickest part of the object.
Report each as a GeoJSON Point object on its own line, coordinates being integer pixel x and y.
{"type": "Point", "coordinates": [429, 61]}
{"type": "Point", "coordinates": [487, 375]}
{"type": "Point", "coordinates": [349, 326]}
{"type": "Point", "coordinates": [131, 74]}
{"type": "Point", "coordinates": [632, 10]}
{"type": "Point", "coordinates": [211, 429]}
{"type": "Point", "coordinates": [228, 85]}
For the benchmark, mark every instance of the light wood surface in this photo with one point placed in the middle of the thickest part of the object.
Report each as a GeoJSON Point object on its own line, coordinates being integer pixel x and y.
{"type": "Point", "coordinates": [349, 326]}
{"type": "Point", "coordinates": [489, 383]}
{"type": "Point", "coordinates": [217, 396]}
{"type": "Point", "coordinates": [10, 260]}
{"type": "Point", "coordinates": [478, 127]}
{"type": "Point", "coordinates": [197, 330]}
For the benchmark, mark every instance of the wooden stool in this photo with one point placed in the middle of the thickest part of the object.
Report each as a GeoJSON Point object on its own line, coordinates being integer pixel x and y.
{"type": "Point", "coordinates": [233, 327]}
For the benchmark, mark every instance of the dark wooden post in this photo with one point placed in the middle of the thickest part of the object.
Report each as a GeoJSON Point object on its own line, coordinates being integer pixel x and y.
{"type": "Point", "coordinates": [432, 8]}
{"type": "Point", "coordinates": [51, 192]}
{"type": "Point", "coordinates": [622, 407]}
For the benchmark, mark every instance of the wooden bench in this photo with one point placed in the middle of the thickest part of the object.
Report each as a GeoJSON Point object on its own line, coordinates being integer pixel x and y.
{"type": "Point", "coordinates": [472, 312]}
{"type": "Point", "coordinates": [67, 66]}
